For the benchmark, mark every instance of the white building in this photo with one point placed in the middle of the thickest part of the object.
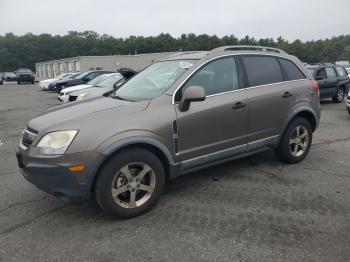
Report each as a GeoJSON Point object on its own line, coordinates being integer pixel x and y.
{"type": "Point", "coordinates": [50, 69]}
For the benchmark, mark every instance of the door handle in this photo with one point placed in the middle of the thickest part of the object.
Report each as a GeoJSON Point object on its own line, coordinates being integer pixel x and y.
{"type": "Point", "coordinates": [238, 105]}
{"type": "Point", "coordinates": [287, 94]}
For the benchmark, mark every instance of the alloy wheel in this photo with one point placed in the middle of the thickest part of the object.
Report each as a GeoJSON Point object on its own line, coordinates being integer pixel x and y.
{"type": "Point", "coordinates": [340, 95]}
{"type": "Point", "coordinates": [299, 141]}
{"type": "Point", "coordinates": [133, 185]}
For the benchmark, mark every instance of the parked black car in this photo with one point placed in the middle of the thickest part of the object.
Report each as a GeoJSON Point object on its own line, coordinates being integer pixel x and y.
{"type": "Point", "coordinates": [9, 77]}
{"type": "Point", "coordinates": [332, 79]}
{"type": "Point", "coordinates": [25, 75]}
{"type": "Point", "coordinates": [81, 79]}
{"type": "Point", "coordinates": [52, 86]}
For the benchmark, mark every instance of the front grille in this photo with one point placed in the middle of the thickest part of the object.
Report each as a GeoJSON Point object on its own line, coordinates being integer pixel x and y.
{"type": "Point", "coordinates": [29, 135]}
{"type": "Point", "coordinates": [72, 98]}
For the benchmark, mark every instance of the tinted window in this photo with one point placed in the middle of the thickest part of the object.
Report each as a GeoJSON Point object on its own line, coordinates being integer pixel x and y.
{"type": "Point", "coordinates": [330, 72]}
{"type": "Point", "coordinates": [292, 71]}
{"type": "Point", "coordinates": [341, 71]}
{"type": "Point", "coordinates": [262, 70]}
{"type": "Point", "coordinates": [217, 77]}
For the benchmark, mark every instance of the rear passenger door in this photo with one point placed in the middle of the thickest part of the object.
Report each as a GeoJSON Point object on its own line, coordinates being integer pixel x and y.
{"type": "Point", "coordinates": [270, 97]}
{"type": "Point", "coordinates": [332, 81]}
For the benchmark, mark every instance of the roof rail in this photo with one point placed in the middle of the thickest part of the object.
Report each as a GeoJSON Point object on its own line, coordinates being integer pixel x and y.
{"type": "Point", "coordinates": [181, 53]}
{"type": "Point", "coordinates": [248, 47]}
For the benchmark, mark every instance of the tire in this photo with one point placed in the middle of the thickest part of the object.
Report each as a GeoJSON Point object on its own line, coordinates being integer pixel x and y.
{"type": "Point", "coordinates": [134, 160]}
{"type": "Point", "coordinates": [33, 82]}
{"type": "Point", "coordinates": [339, 97]}
{"type": "Point", "coordinates": [349, 111]}
{"type": "Point", "coordinates": [287, 150]}
{"type": "Point", "coordinates": [18, 82]}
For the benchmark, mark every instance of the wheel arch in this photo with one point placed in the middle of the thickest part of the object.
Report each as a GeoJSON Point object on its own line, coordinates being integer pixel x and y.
{"type": "Point", "coordinates": [146, 143]}
{"type": "Point", "coordinates": [306, 113]}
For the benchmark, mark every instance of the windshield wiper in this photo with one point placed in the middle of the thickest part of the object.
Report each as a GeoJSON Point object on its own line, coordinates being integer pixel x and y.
{"type": "Point", "coordinates": [122, 98]}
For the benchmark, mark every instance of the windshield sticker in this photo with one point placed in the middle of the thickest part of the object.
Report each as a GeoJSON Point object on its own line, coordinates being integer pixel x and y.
{"type": "Point", "coordinates": [185, 65]}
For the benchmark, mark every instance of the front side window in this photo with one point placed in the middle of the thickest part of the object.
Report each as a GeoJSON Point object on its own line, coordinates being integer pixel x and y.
{"type": "Point", "coordinates": [330, 73]}
{"type": "Point", "coordinates": [154, 81]}
{"type": "Point", "coordinates": [217, 77]}
{"type": "Point", "coordinates": [320, 74]}
{"type": "Point", "coordinates": [262, 70]}
{"type": "Point", "coordinates": [292, 71]}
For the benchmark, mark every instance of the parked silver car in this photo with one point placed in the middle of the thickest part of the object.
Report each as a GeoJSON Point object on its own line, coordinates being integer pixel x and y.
{"type": "Point", "coordinates": [174, 117]}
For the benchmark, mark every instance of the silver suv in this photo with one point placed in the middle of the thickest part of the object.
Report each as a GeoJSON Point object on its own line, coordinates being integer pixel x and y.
{"type": "Point", "coordinates": [176, 116]}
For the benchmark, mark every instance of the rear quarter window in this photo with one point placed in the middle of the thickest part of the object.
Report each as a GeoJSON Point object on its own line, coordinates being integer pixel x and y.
{"type": "Point", "coordinates": [292, 71]}
{"type": "Point", "coordinates": [262, 70]}
{"type": "Point", "coordinates": [341, 71]}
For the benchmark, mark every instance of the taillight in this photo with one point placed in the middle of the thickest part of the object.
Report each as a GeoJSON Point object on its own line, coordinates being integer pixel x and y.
{"type": "Point", "coordinates": [315, 86]}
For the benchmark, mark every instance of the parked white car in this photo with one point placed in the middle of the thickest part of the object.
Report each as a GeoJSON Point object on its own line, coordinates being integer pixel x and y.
{"type": "Point", "coordinates": [63, 96]}
{"type": "Point", "coordinates": [44, 84]}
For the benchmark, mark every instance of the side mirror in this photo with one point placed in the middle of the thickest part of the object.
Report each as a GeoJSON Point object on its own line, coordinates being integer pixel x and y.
{"type": "Point", "coordinates": [118, 84]}
{"type": "Point", "coordinates": [191, 94]}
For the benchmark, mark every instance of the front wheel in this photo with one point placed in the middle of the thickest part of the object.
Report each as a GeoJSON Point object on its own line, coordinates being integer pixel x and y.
{"type": "Point", "coordinates": [18, 82]}
{"type": "Point", "coordinates": [339, 97]}
{"type": "Point", "coordinates": [130, 183]}
{"type": "Point", "coordinates": [296, 141]}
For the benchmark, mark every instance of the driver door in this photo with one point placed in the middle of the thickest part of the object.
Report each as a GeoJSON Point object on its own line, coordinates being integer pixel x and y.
{"type": "Point", "coordinates": [216, 127]}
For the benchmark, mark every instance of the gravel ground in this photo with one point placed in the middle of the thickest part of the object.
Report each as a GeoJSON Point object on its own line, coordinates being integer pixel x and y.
{"type": "Point", "coordinates": [253, 209]}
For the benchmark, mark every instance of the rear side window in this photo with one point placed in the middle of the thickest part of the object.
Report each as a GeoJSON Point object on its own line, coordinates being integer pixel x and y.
{"type": "Point", "coordinates": [330, 72]}
{"type": "Point", "coordinates": [262, 70]}
{"type": "Point", "coordinates": [292, 71]}
{"type": "Point", "coordinates": [341, 71]}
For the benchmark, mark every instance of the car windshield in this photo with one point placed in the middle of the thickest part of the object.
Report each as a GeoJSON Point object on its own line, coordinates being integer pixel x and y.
{"type": "Point", "coordinates": [154, 81]}
{"type": "Point", "coordinates": [74, 76]}
{"type": "Point", "coordinates": [311, 70]}
{"type": "Point", "coordinates": [24, 70]}
{"type": "Point", "coordinates": [97, 80]}
{"type": "Point", "coordinates": [83, 75]}
{"type": "Point", "coordinates": [109, 81]}
{"type": "Point", "coordinates": [62, 76]}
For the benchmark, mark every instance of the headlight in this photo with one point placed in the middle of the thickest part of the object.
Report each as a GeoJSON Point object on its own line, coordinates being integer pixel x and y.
{"type": "Point", "coordinates": [82, 96]}
{"type": "Point", "coordinates": [56, 143]}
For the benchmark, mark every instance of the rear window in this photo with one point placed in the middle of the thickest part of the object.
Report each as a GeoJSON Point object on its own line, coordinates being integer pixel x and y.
{"type": "Point", "coordinates": [262, 70]}
{"type": "Point", "coordinates": [292, 71]}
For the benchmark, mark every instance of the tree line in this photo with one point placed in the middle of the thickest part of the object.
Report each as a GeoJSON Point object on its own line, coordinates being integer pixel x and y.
{"type": "Point", "coordinates": [24, 51]}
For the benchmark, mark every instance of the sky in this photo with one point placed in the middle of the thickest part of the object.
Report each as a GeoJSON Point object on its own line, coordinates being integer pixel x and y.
{"type": "Point", "coordinates": [292, 19]}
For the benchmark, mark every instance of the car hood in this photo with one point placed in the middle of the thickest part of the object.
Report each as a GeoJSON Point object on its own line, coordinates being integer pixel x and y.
{"type": "Point", "coordinates": [77, 110]}
{"type": "Point", "coordinates": [76, 88]}
{"type": "Point", "coordinates": [92, 90]}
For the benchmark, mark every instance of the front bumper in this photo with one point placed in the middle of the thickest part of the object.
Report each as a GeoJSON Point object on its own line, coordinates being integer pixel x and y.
{"type": "Point", "coordinates": [52, 175]}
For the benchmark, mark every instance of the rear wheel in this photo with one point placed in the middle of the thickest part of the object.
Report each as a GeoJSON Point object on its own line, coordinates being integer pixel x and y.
{"type": "Point", "coordinates": [339, 97]}
{"type": "Point", "coordinates": [130, 183]}
{"type": "Point", "coordinates": [296, 141]}
{"type": "Point", "coordinates": [18, 82]}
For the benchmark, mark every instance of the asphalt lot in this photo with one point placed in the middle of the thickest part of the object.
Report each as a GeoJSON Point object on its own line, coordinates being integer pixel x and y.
{"type": "Point", "coordinates": [254, 209]}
